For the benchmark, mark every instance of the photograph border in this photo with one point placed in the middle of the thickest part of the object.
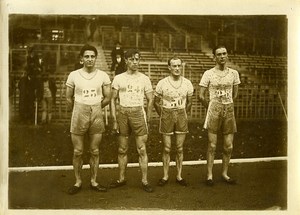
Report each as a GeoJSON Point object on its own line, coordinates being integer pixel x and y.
{"type": "Point", "coordinates": [186, 7]}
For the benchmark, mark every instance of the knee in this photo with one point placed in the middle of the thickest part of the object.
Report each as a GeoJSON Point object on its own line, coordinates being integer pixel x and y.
{"type": "Point", "coordinates": [142, 150]}
{"type": "Point", "coordinates": [94, 152]}
{"type": "Point", "coordinates": [143, 139]}
{"type": "Point", "coordinates": [228, 149]}
{"type": "Point", "coordinates": [167, 150]}
{"type": "Point", "coordinates": [179, 150]}
{"type": "Point", "coordinates": [211, 148]}
{"type": "Point", "coordinates": [77, 153]}
{"type": "Point", "coordinates": [122, 150]}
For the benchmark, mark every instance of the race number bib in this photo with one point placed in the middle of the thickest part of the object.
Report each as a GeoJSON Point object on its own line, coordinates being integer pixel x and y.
{"type": "Point", "coordinates": [89, 94]}
{"type": "Point", "coordinates": [174, 103]}
{"type": "Point", "coordinates": [222, 93]}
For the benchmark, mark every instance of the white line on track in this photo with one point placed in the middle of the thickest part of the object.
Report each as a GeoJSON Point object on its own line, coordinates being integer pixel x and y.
{"type": "Point", "coordinates": [152, 164]}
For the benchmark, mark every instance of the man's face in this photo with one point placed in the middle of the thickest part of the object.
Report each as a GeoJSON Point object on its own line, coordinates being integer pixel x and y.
{"type": "Point", "coordinates": [175, 67]}
{"type": "Point", "coordinates": [221, 56]}
{"type": "Point", "coordinates": [89, 59]}
{"type": "Point", "coordinates": [133, 62]}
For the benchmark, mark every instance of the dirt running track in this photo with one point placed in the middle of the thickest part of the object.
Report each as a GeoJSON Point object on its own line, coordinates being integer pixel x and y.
{"type": "Point", "coordinates": [261, 186]}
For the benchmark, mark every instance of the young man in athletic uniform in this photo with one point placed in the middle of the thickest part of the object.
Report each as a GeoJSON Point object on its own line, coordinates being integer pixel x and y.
{"type": "Point", "coordinates": [90, 88]}
{"type": "Point", "coordinates": [173, 102]}
{"type": "Point", "coordinates": [130, 88]}
{"type": "Point", "coordinates": [222, 84]}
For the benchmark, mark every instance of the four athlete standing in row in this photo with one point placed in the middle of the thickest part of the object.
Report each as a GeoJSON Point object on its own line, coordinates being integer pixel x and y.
{"type": "Point", "coordinates": [89, 90]}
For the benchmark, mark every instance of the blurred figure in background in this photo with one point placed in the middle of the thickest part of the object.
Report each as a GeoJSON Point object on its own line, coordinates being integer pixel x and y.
{"type": "Point", "coordinates": [26, 88]}
{"type": "Point", "coordinates": [120, 65]}
{"type": "Point", "coordinates": [117, 51]}
{"type": "Point", "coordinates": [92, 28]}
{"type": "Point", "coordinates": [46, 94]}
{"type": "Point", "coordinates": [35, 63]}
{"type": "Point", "coordinates": [78, 64]}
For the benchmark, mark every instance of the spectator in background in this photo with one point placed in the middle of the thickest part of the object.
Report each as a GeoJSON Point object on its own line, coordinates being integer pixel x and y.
{"type": "Point", "coordinates": [117, 50]}
{"type": "Point", "coordinates": [46, 93]}
{"type": "Point", "coordinates": [120, 66]}
{"type": "Point", "coordinates": [26, 88]}
{"type": "Point", "coordinates": [173, 102]}
{"type": "Point", "coordinates": [222, 83]}
{"type": "Point", "coordinates": [78, 64]}
{"type": "Point", "coordinates": [35, 63]}
{"type": "Point", "coordinates": [92, 28]}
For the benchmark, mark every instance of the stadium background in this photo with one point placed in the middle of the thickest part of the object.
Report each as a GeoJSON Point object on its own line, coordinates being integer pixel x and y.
{"type": "Point", "coordinates": [257, 47]}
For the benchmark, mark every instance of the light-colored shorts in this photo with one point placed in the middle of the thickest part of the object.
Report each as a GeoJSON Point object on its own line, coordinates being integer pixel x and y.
{"type": "Point", "coordinates": [220, 117]}
{"type": "Point", "coordinates": [87, 118]}
{"type": "Point", "coordinates": [132, 120]}
{"type": "Point", "coordinates": [173, 121]}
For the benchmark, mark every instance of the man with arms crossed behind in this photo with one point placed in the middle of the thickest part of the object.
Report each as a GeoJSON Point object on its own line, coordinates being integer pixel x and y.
{"type": "Point", "coordinates": [91, 89]}
{"type": "Point", "coordinates": [222, 84]}
{"type": "Point", "coordinates": [130, 88]}
{"type": "Point", "coordinates": [173, 102]}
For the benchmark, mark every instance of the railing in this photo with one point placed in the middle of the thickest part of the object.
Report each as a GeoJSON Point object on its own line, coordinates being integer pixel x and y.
{"type": "Point", "coordinates": [194, 42]}
{"type": "Point", "coordinates": [156, 76]}
{"type": "Point", "coordinates": [255, 101]}
{"type": "Point", "coordinates": [55, 55]}
{"type": "Point", "coordinates": [248, 45]}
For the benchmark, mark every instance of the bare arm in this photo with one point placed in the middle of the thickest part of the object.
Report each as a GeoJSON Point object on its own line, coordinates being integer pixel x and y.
{"type": "Point", "coordinates": [157, 104]}
{"type": "Point", "coordinates": [235, 91]}
{"type": "Point", "coordinates": [69, 97]}
{"type": "Point", "coordinates": [149, 97]}
{"type": "Point", "coordinates": [202, 96]}
{"type": "Point", "coordinates": [189, 102]}
{"type": "Point", "coordinates": [114, 96]}
{"type": "Point", "coordinates": [106, 89]}
{"type": "Point", "coordinates": [113, 101]}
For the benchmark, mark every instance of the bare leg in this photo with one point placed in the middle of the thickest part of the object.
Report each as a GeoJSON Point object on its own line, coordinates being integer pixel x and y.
{"type": "Point", "coordinates": [50, 102]}
{"type": "Point", "coordinates": [212, 143]}
{"type": "Point", "coordinates": [166, 155]}
{"type": "Point", "coordinates": [122, 156]}
{"type": "Point", "coordinates": [143, 158]}
{"type": "Point", "coordinates": [77, 157]}
{"type": "Point", "coordinates": [95, 140]}
{"type": "Point", "coordinates": [179, 154]}
{"type": "Point", "coordinates": [44, 110]}
{"type": "Point", "coordinates": [227, 151]}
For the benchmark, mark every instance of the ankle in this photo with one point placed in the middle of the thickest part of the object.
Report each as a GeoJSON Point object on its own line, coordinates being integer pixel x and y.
{"type": "Point", "coordinates": [209, 177]}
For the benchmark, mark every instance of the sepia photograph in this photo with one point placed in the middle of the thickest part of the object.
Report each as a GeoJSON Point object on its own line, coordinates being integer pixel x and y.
{"type": "Point", "coordinates": [175, 108]}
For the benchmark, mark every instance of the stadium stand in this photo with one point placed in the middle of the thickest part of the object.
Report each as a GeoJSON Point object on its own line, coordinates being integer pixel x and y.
{"type": "Point", "coordinates": [261, 62]}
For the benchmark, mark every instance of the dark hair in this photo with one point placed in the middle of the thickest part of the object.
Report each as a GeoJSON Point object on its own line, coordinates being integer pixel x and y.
{"type": "Point", "coordinates": [175, 57]}
{"type": "Point", "coordinates": [88, 47]}
{"type": "Point", "coordinates": [218, 47]}
{"type": "Point", "coordinates": [130, 53]}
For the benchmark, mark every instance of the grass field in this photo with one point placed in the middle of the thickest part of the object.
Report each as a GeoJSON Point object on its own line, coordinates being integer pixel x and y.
{"type": "Point", "coordinates": [31, 145]}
